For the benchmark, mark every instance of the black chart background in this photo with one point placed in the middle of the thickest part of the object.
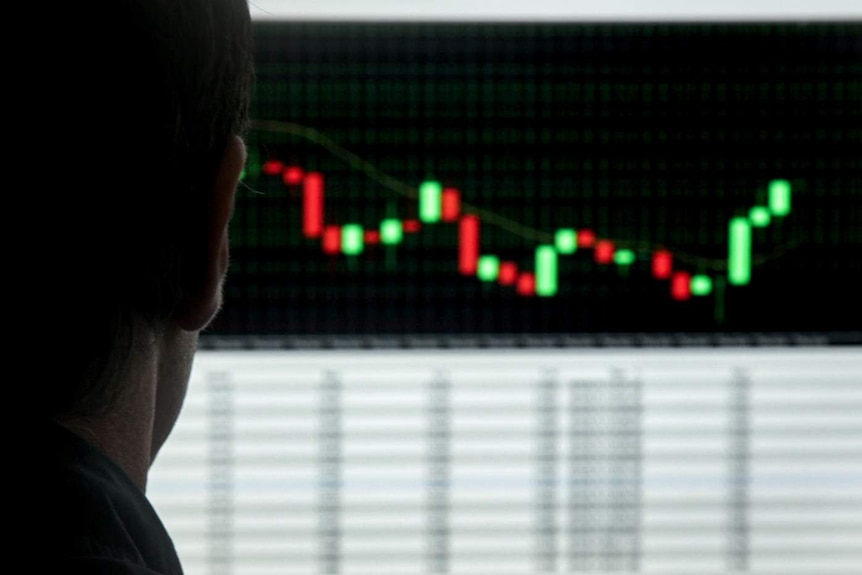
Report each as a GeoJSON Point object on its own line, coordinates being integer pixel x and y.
{"type": "Point", "coordinates": [653, 135]}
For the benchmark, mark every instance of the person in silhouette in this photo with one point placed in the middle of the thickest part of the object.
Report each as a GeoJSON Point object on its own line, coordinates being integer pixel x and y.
{"type": "Point", "coordinates": [128, 119]}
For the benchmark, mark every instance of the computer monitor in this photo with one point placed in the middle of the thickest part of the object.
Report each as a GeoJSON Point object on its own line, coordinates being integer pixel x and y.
{"type": "Point", "coordinates": [519, 295]}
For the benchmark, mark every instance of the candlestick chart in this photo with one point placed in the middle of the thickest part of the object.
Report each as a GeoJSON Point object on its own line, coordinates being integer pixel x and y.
{"type": "Point", "coordinates": [564, 179]}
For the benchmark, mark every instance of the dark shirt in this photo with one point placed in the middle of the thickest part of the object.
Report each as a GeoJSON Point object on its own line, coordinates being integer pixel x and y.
{"type": "Point", "coordinates": [96, 519]}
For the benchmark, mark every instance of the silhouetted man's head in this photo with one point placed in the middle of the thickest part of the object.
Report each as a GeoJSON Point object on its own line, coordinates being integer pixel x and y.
{"type": "Point", "coordinates": [126, 154]}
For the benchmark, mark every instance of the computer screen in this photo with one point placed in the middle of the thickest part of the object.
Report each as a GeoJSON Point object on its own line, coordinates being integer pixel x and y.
{"type": "Point", "coordinates": [551, 180]}
{"type": "Point", "coordinates": [536, 296]}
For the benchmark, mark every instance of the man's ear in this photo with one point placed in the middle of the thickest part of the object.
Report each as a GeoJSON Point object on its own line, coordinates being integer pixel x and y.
{"type": "Point", "coordinates": [204, 297]}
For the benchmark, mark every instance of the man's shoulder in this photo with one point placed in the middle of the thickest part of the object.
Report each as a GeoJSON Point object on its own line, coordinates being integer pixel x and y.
{"type": "Point", "coordinates": [100, 566]}
{"type": "Point", "coordinates": [91, 517]}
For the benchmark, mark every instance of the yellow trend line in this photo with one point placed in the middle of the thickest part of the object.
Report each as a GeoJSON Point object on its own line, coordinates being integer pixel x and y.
{"type": "Point", "coordinates": [354, 161]}
{"type": "Point", "coordinates": [390, 182]}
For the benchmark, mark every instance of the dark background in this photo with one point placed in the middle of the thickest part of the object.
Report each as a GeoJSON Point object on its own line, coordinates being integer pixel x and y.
{"type": "Point", "coordinates": [652, 135]}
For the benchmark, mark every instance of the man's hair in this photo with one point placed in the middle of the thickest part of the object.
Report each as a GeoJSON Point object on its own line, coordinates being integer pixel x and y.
{"type": "Point", "coordinates": [126, 107]}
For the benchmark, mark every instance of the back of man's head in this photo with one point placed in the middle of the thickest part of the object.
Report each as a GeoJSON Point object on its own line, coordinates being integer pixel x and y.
{"type": "Point", "coordinates": [122, 113]}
